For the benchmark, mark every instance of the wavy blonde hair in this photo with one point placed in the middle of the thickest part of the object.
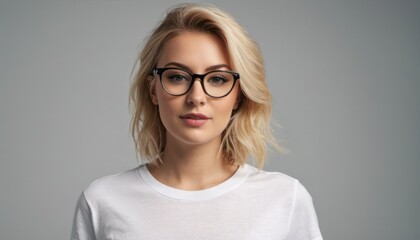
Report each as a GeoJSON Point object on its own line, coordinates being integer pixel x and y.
{"type": "Point", "coordinates": [248, 132]}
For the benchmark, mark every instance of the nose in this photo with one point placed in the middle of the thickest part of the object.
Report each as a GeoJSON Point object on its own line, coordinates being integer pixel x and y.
{"type": "Point", "coordinates": [196, 94]}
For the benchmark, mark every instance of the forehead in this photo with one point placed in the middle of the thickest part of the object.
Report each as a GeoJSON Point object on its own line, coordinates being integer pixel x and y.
{"type": "Point", "coordinates": [196, 50]}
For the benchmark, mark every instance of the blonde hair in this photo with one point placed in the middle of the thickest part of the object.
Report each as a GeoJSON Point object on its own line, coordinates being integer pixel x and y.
{"type": "Point", "coordinates": [249, 129]}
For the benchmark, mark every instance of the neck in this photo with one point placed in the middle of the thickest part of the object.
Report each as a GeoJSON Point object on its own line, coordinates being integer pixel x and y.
{"type": "Point", "coordinates": [192, 167]}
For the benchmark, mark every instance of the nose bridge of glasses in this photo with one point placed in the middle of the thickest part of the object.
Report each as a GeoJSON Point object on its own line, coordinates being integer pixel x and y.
{"type": "Point", "coordinates": [200, 79]}
{"type": "Point", "coordinates": [196, 76]}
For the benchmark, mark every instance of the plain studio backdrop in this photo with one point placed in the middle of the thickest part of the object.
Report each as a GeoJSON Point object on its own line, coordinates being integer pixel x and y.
{"type": "Point", "coordinates": [344, 74]}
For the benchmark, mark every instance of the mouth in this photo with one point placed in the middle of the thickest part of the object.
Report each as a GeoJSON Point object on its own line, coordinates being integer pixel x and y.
{"type": "Point", "coordinates": [194, 119]}
{"type": "Point", "coordinates": [195, 116]}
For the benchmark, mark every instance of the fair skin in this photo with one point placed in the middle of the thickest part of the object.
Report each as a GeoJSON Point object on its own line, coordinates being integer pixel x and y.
{"type": "Point", "coordinates": [191, 158]}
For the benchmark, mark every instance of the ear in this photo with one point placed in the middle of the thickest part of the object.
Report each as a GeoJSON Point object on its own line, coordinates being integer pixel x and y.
{"type": "Point", "coordinates": [152, 90]}
{"type": "Point", "coordinates": [237, 102]}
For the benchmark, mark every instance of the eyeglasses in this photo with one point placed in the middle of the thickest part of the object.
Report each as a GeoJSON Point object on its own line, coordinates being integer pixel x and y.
{"type": "Point", "coordinates": [177, 82]}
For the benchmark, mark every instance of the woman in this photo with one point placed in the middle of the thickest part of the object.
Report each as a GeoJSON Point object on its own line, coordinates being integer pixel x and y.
{"type": "Point", "coordinates": [201, 107]}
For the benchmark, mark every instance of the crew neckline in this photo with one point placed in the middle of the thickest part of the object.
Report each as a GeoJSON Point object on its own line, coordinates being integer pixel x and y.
{"type": "Point", "coordinates": [230, 184]}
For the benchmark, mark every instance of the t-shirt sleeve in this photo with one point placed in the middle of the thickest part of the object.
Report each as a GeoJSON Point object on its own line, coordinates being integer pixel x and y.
{"type": "Point", "coordinates": [303, 222]}
{"type": "Point", "coordinates": [82, 221]}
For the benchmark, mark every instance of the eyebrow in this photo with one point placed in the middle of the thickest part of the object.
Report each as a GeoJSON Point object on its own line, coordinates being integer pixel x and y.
{"type": "Point", "coordinates": [185, 67]}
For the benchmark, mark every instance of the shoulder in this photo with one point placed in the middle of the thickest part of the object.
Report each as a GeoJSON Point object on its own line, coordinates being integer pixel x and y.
{"type": "Point", "coordinates": [112, 184]}
{"type": "Point", "coordinates": [276, 182]}
{"type": "Point", "coordinates": [269, 178]}
{"type": "Point", "coordinates": [292, 198]}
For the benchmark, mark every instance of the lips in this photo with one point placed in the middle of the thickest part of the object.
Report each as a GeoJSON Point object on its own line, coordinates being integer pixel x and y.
{"type": "Point", "coordinates": [196, 116]}
{"type": "Point", "coordinates": [194, 119]}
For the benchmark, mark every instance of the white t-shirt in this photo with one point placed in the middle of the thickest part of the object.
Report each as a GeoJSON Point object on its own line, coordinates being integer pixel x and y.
{"type": "Point", "coordinates": [252, 204]}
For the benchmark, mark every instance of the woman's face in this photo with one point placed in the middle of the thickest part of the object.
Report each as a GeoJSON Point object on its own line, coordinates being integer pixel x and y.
{"type": "Point", "coordinates": [194, 118]}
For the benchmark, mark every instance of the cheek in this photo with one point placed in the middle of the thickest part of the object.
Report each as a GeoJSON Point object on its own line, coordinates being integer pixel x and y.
{"type": "Point", "coordinates": [168, 106]}
{"type": "Point", "coordinates": [232, 100]}
{"type": "Point", "coordinates": [226, 108]}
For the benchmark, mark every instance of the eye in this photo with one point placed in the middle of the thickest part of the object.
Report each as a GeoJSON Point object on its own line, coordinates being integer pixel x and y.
{"type": "Point", "coordinates": [218, 80]}
{"type": "Point", "coordinates": [176, 77]}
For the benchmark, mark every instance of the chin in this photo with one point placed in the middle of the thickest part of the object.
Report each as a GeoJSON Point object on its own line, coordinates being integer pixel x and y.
{"type": "Point", "coordinates": [197, 138]}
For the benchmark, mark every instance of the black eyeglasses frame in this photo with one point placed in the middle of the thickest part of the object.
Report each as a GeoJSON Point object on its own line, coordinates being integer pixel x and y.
{"type": "Point", "coordinates": [159, 71]}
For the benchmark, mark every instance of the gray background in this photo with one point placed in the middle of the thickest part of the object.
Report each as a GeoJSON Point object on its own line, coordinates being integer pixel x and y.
{"type": "Point", "coordinates": [344, 74]}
